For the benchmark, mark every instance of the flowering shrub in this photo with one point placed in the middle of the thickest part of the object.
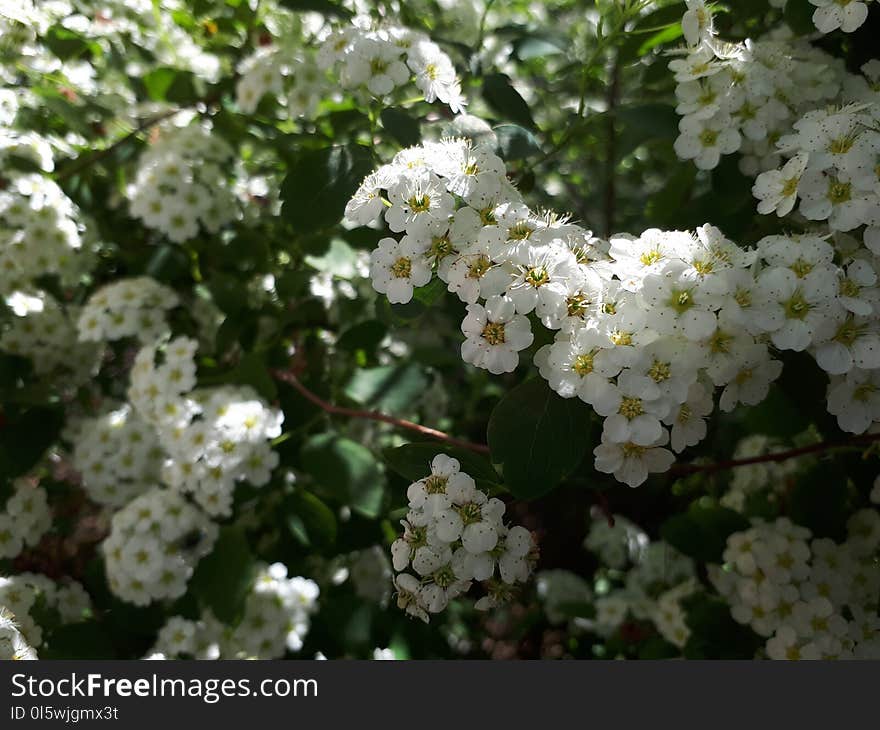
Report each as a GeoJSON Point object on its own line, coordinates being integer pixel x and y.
{"type": "Point", "coordinates": [582, 297]}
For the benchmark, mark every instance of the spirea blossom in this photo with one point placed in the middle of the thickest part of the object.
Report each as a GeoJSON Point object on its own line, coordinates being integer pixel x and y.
{"type": "Point", "coordinates": [154, 545]}
{"type": "Point", "coordinates": [454, 534]}
{"type": "Point", "coordinates": [811, 598]}
{"type": "Point", "coordinates": [181, 183]}
{"type": "Point", "coordinates": [135, 307]}
{"type": "Point", "coordinates": [213, 437]}
{"type": "Point", "coordinates": [24, 518]}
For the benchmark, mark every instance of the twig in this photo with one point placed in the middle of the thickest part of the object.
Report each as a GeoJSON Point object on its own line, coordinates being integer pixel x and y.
{"type": "Point", "coordinates": [80, 163]}
{"type": "Point", "coordinates": [611, 148]}
{"type": "Point", "coordinates": [774, 457]}
{"type": "Point", "coordinates": [291, 379]}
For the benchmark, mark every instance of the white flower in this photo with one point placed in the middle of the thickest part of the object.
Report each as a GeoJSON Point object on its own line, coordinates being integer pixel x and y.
{"type": "Point", "coordinates": [419, 204]}
{"type": "Point", "coordinates": [633, 409]}
{"type": "Point", "coordinates": [826, 196]}
{"type": "Point", "coordinates": [777, 189]}
{"type": "Point", "coordinates": [631, 463]}
{"type": "Point", "coordinates": [796, 311]}
{"type": "Point", "coordinates": [688, 419]}
{"type": "Point", "coordinates": [696, 23]}
{"type": "Point", "coordinates": [396, 267]}
{"type": "Point", "coordinates": [855, 399]}
{"type": "Point", "coordinates": [848, 15]}
{"type": "Point", "coordinates": [749, 378]}
{"type": "Point", "coordinates": [705, 140]}
{"type": "Point", "coordinates": [495, 334]}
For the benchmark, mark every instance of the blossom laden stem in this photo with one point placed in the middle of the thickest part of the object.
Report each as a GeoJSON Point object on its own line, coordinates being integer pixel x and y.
{"type": "Point", "coordinates": [291, 379]}
{"type": "Point", "coordinates": [817, 448]}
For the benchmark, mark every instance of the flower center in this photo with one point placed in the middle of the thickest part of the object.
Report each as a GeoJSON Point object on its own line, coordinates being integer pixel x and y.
{"type": "Point", "coordinates": [478, 267]}
{"type": "Point", "coordinates": [441, 247]}
{"type": "Point", "coordinates": [797, 307]}
{"type": "Point", "coordinates": [790, 186]}
{"type": "Point", "coordinates": [621, 338]}
{"type": "Point", "coordinates": [402, 268]}
{"type": "Point", "coordinates": [419, 203]}
{"type": "Point", "coordinates": [520, 231]}
{"type": "Point", "coordinates": [631, 408]}
{"type": "Point", "coordinates": [801, 268]}
{"type": "Point", "coordinates": [659, 371]}
{"type": "Point", "coordinates": [493, 333]}
{"type": "Point", "coordinates": [583, 364]}
{"type": "Point", "coordinates": [708, 138]}
{"type": "Point", "coordinates": [576, 305]}
{"type": "Point", "coordinates": [681, 300]}
{"type": "Point", "coordinates": [631, 450]}
{"type": "Point", "coordinates": [435, 484]}
{"type": "Point", "coordinates": [650, 257]}
{"type": "Point", "coordinates": [839, 192]}
{"type": "Point", "coordinates": [537, 276]}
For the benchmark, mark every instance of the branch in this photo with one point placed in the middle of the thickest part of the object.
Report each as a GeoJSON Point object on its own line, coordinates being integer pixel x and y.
{"type": "Point", "coordinates": [81, 163]}
{"type": "Point", "coordinates": [289, 378]}
{"type": "Point", "coordinates": [774, 457]}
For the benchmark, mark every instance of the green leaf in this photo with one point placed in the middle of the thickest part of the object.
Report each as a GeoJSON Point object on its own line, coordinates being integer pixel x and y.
{"type": "Point", "coordinates": [24, 440]}
{"type": "Point", "coordinates": [819, 500]}
{"type": "Point", "coordinates": [83, 640]}
{"type": "Point", "coordinates": [364, 336]}
{"type": "Point", "coordinates": [320, 182]}
{"type": "Point", "coordinates": [506, 101]}
{"type": "Point", "coordinates": [310, 520]}
{"type": "Point", "coordinates": [252, 370]}
{"type": "Point", "coordinates": [346, 470]}
{"type": "Point", "coordinates": [413, 461]}
{"type": "Point", "coordinates": [171, 84]}
{"type": "Point", "coordinates": [702, 531]}
{"type": "Point", "coordinates": [67, 44]}
{"type": "Point", "coordinates": [537, 437]}
{"type": "Point", "coordinates": [799, 17]}
{"type": "Point", "coordinates": [714, 633]}
{"type": "Point", "coordinates": [401, 126]}
{"type": "Point", "coordinates": [515, 142]}
{"type": "Point", "coordinates": [390, 388]}
{"type": "Point", "coordinates": [223, 579]}
{"type": "Point", "coordinates": [325, 7]}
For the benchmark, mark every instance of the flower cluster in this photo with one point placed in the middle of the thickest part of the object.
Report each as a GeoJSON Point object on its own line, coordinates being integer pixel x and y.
{"type": "Point", "coordinates": [767, 481]}
{"type": "Point", "coordinates": [811, 599]}
{"type": "Point", "coordinates": [380, 60]}
{"type": "Point", "coordinates": [276, 616]}
{"type": "Point", "coordinates": [117, 455]}
{"type": "Point", "coordinates": [742, 96]}
{"type": "Point", "coordinates": [44, 332]}
{"type": "Point", "coordinates": [39, 234]}
{"type": "Point", "coordinates": [155, 542]}
{"type": "Point", "coordinates": [25, 518]}
{"type": "Point", "coordinates": [212, 438]}
{"type": "Point", "coordinates": [181, 183]}
{"type": "Point", "coordinates": [28, 594]}
{"type": "Point", "coordinates": [561, 592]}
{"type": "Point", "coordinates": [276, 619]}
{"type": "Point", "coordinates": [13, 645]}
{"type": "Point", "coordinates": [656, 580]}
{"type": "Point", "coordinates": [646, 327]}
{"type": "Point", "coordinates": [359, 57]}
{"type": "Point", "coordinates": [371, 575]}
{"type": "Point", "coordinates": [134, 307]}
{"type": "Point", "coordinates": [454, 534]}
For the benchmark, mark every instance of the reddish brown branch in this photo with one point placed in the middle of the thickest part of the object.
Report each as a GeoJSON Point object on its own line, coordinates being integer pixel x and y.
{"type": "Point", "coordinates": [291, 379]}
{"type": "Point", "coordinates": [774, 457]}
